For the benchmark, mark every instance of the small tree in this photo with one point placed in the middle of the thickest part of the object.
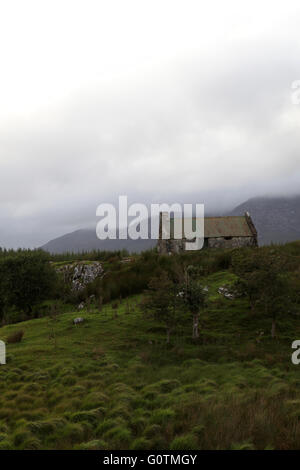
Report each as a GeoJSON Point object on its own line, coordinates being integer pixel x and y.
{"type": "Point", "coordinates": [100, 303]}
{"type": "Point", "coordinates": [2, 307]}
{"type": "Point", "coordinates": [26, 278]}
{"type": "Point", "coordinates": [193, 297]}
{"type": "Point", "coordinates": [261, 277]}
{"type": "Point", "coordinates": [54, 312]}
{"type": "Point", "coordinates": [246, 264]}
{"type": "Point", "coordinates": [273, 288]}
{"type": "Point", "coordinates": [162, 301]}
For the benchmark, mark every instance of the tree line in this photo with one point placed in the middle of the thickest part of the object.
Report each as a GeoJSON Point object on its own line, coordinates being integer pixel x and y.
{"type": "Point", "coordinates": [267, 277]}
{"type": "Point", "coordinates": [173, 286]}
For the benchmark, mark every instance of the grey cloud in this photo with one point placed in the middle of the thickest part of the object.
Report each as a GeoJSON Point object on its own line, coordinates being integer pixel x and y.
{"type": "Point", "coordinates": [216, 131]}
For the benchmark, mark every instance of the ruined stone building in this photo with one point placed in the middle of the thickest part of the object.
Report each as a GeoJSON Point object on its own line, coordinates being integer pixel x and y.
{"type": "Point", "coordinates": [219, 232]}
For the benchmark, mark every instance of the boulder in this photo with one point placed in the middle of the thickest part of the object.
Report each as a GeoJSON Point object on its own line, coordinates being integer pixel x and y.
{"type": "Point", "coordinates": [226, 292]}
{"type": "Point", "coordinates": [80, 274]}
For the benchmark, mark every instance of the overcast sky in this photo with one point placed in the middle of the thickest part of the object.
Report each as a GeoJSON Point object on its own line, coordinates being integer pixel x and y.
{"type": "Point", "coordinates": [161, 100]}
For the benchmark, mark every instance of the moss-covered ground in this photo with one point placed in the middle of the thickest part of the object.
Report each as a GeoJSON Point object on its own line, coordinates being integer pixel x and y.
{"type": "Point", "coordinates": [113, 382]}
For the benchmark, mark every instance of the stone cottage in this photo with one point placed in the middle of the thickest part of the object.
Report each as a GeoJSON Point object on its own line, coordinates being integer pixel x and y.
{"type": "Point", "coordinates": [219, 232]}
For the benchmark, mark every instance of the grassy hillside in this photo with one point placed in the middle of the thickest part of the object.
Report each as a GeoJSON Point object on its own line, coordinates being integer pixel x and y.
{"type": "Point", "coordinates": [113, 383]}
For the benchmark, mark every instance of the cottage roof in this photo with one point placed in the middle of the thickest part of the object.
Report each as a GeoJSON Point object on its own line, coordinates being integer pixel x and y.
{"type": "Point", "coordinates": [230, 226]}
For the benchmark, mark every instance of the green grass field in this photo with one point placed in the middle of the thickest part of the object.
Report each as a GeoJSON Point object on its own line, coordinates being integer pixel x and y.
{"type": "Point", "coordinates": [113, 383]}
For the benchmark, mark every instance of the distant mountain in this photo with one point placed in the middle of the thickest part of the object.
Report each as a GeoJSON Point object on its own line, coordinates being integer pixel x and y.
{"type": "Point", "coordinates": [277, 219]}
{"type": "Point", "coordinates": [86, 240]}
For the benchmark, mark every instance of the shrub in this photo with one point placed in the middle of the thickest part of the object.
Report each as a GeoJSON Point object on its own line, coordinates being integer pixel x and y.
{"type": "Point", "coordinates": [167, 386]}
{"type": "Point", "coordinates": [6, 445]}
{"type": "Point", "coordinates": [243, 446]}
{"type": "Point", "coordinates": [20, 437]}
{"type": "Point", "coordinates": [162, 416]}
{"type": "Point", "coordinates": [185, 442]}
{"type": "Point", "coordinates": [92, 445]}
{"type": "Point", "coordinates": [43, 428]}
{"type": "Point", "coordinates": [121, 410]}
{"type": "Point", "coordinates": [15, 337]}
{"type": "Point", "coordinates": [26, 279]}
{"type": "Point", "coordinates": [198, 430]}
{"type": "Point", "coordinates": [3, 427]}
{"type": "Point", "coordinates": [31, 387]}
{"type": "Point", "coordinates": [94, 400]}
{"type": "Point", "coordinates": [73, 432]}
{"type": "Point", "coordinates": [223, 260]}
{"type": "Point", "coordinates": [138, 424]}
{"type": "Point", "coordinates": [152, 430]}
{"type": "Point", "coordinates": [120, 436]}
{"type": "Point", "coordinates": [141, 444]}
{"type": "Point", "coordinates": [32, 443]}
{"type": "Point", "coordinates": [108, 424]}
{"type": "Point", "coordinates": [91, 416]}
{"type": "Point", "coordinates": [69, 380]}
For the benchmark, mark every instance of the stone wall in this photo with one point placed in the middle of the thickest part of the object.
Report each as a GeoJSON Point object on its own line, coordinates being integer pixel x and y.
{"type": "Point", "coordinates": [178, 246]}
{"type": "Point", "coordinates": [234, 242]}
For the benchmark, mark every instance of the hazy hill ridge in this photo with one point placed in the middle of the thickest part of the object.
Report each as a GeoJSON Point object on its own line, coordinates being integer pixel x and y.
{"type": "Point", "coordinates": [277, 220]}
{"type": "Point", "coordinates": [86, 240]}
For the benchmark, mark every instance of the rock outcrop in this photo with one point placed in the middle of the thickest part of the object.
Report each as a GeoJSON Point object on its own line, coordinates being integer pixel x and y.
{"type": "Point", "coordinates": [80, 274]}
